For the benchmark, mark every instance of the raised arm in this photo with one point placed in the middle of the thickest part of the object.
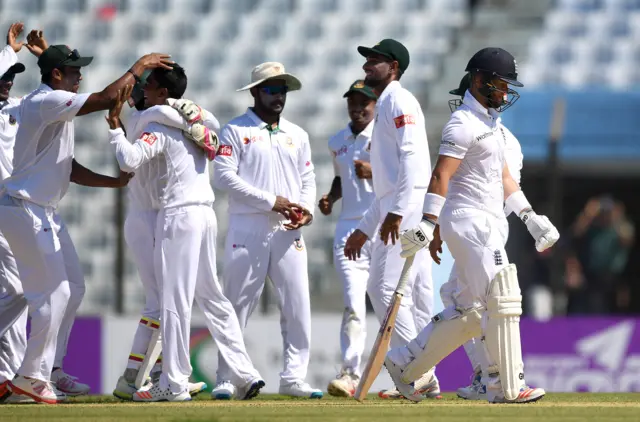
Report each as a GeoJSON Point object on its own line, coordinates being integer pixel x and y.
{"type": "Point", "coordinates": [104, 99]}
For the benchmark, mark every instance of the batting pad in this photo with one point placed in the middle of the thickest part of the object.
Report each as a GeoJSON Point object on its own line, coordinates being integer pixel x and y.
{"type": "Point", "coordinates": [502, 334]}
{"type": "Point", "coordinates": [446, 332]}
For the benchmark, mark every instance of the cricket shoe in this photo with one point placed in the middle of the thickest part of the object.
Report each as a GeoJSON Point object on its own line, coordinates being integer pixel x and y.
{"type": "Point", "coordinates": [300, 389]}
{"type": "Point", "coordinates": [408, 391]}
{"type": "Point", "coordinates": [156, 393]}
{"type": "Point", "coordinates": [476, 391]}
{"type": "Point", "coordinates": [40, 391]}
{"type": "Point", "coordinates": [251, 390]}
{"type": "Point", "coordinates": [344, 385]}
{"type": "Point", "coordinates": [125, 390]}
{"type": "Point", "coordinates": [196, 388]}
{"type": "Point", "coordinates": [526, 395]}
{"type": "Point", "coordinates": [428, 385]}
{"type": "Point", "coordinates": [224, 390]}
{"type": "Point", "coordinates": [4, 391]}
{"type": "Point", "coordinates": [68, 384]}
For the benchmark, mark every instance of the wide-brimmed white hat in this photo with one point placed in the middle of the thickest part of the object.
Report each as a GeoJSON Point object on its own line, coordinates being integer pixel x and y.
{"type": "Point", "coordinates": [272, 70]}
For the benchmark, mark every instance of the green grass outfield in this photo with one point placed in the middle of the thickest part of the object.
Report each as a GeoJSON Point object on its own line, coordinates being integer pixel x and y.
{"type": "Point", "coordinates": [554, 407]}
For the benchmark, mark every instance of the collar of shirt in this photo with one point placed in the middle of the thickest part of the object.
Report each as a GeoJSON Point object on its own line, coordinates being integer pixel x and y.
{"type": "Point", "coordinates": [366, 132]}
{"type": "Point", "coordinates": [389, 89]}
{"type": "Point", "coordinates": [3, 103]}
{"type": "Point", "coordinates": [44, 87]}
{"type": "Point", "coordinates": [473, 104]}
{"type": "Point", "coordinates": [282, 124]}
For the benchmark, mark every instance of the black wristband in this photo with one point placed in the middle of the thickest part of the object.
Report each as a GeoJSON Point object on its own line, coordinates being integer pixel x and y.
{"type": "Point", "coordinates": [137, 78]}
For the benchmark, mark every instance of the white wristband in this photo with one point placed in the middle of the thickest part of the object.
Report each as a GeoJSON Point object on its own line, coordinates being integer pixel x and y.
{"type": "Point", "coordinates": [433, 204]}
{"type": "Point", "coordinates": [517, 202]}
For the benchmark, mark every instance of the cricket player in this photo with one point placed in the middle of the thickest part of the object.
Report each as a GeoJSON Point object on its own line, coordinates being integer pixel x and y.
{"type": "Point", "coordinates": [185, 240]}
{"type": "Point", "coordinates": [13, 305]}
{"type": "Point", "coordinates": [349, 149]}
{"type": "Point", "coordinates": [464, 207]}
{"type": "Point", "coordinates": [264, 164]}
{"type": "Point", "coordinates": [139, 229]}
{"type": "Point", "coordinates": [43, 167]}
{"type": "Point", "coordinates": [401, 165]}
{"type": "Point", "coordinates": [475, 348]}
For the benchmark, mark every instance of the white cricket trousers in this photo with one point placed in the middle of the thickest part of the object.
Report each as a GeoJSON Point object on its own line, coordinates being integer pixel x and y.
{"type": "Point", "coordinates": [386, 267]}
{"type": "Point", "coordinates": [13, 315]}
{"type": "Point", "coordinates": [258, 247]}
{"type": "Point", "coordinates": [476, 242]}
{"type": "Point", "coordinates": [475, 349]}
{"type": "Point", "coordinates": [139, 233]}
{"type": "Point", "coordinates": [52, 280]}
{"type": "Point", "coordinates": [354, 276]}
{"type": "Point", "coordinates": [185, 259]}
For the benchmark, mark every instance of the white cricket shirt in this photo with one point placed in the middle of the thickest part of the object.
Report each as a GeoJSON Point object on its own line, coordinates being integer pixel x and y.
{"type": "Point", "coordinates": [345, 147]}
{"type": "Point", "coordinates": [474, 135]}
{"type": "Point", "coordinates": [9, 117]}
{"type": "Point", "coordinates": [187, 169]}
{"type": "Point", "coordinates": [43, 151]}
{"type": "Point", "coordinates": [254, 165]}
{"type": "Point", "coordinates": [512, 153]}
{"type": "Point", "coordinates": [146, 187]}
{"type": "Point", "coordinates": [400, 158]}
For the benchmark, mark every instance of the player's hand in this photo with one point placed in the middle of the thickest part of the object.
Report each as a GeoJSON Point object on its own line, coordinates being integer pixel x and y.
{"type": "Point", "coordinates": [325, 204]}
{"type": "Point", "coordinates": [435, 246]}
{"type": "Point", "coordinates": [189, 110]}
{"type": "Point", "coordinates": [114, 112]}
{"type": "Point", "coordinates": [363, 169]}
{"type": "Point", "coordinates": [415, 239]}
{"type": "Point", "coordinates": [36, 43]}
{"type": "Point", "coordinates": [390, 228]}
{"type": "Point", "coordinates": [124, 178]}
{"type": "Point", "coordinates": [300, 217]}
{"type": "Point", "coordinates": [204, 138]}
{"type": "Point", "coordinates": [154, 60]}
{"type": "Point", "coordinates": [354, 244]}
{"type": "Point", "coordinates": [285, 207]}
{"type": "Point", "coordinates": [543, 232]}
{"type": "Point", "coordinates": [14, 32]}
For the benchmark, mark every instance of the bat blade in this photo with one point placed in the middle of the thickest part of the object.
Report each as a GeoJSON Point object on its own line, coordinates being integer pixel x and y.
{"type": "Point", "coordinates": [379, 349]}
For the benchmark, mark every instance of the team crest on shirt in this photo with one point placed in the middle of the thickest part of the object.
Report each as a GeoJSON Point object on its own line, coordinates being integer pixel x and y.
{"type": "Point", "coordinates": [249, 140]}
{"type": "Point", "coordinates": [12, 120]}
{"type": "Point", "coordinates": [289, 142]}
{"type": "Point", "coordinates": [149, 138]}
{"type": "Point", "coordinates": [298, 244]}
{"type": "Point", "coordinates": [342, 151]}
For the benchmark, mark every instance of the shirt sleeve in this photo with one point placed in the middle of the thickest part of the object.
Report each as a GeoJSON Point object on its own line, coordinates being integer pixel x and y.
{"type": "Point", "coordinates": [8, 58]}
{"type": "Point", "coordinates": [408, 136]}
{"type": "Point", "coordinates": [211, 121]}
{"type": "Point", "coordinates": [226, 178]}
{"type": "Point", "coordinates": [131, 156]}
{"type": "Point", "coordinates": [370, 220]}
{"type": "Point", "coordinates": [61, 106]}
{"type": "Point", "coordinates": [307, 176]}
{"type": "Point", "coordinates": [165, 115]}
{"type": "Point", "coordinates": [456, 139]}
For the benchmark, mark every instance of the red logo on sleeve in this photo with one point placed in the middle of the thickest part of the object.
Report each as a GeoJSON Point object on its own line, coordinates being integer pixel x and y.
{"type": "Point", "coordinates": [225, 150]}
{"type": "Point", "coordinates": [308, 163]}
{"type": "Point", "coordinates": [69, 103]}
{"type": "Point", "coordinates": [405, 119]}
{"type": "Point", "coordinates": [149, 138]}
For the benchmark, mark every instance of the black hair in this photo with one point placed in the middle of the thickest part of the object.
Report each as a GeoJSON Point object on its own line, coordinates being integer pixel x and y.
{"type": "Point", "coordinates": [175, 80]}
{"type": "Point", "coordinates": [46, 77]}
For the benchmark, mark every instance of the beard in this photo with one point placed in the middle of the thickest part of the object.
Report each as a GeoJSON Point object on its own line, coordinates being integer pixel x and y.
{"type": "Point", "coordinates": [372, 82]}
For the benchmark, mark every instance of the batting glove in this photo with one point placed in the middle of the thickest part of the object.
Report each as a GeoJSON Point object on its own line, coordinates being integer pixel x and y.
{"type": "Point", "coordinates": [188, 109]}
{"type": "Point", "coordinates": [204, 138]}
{"type": "Point", "coordinates": [541, 229]}
{"type": "Point", "coordinates": [415, 239]}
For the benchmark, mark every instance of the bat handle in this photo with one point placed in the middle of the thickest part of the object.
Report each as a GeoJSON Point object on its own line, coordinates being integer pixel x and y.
{"type": "Point", "coordinates": [404, 275]}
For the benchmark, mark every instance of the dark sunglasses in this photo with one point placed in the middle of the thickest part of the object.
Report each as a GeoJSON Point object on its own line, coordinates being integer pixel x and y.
{"type": "Point", "coordinates": [273, 90]}
{"type": "Point", "coordinates": [74, 55]}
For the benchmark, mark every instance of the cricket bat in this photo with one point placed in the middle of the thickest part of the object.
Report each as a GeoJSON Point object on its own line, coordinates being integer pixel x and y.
{"type": "Point", "coordinates": [381, 346]}
{"type": "Point", "coordinates": [153, 351]}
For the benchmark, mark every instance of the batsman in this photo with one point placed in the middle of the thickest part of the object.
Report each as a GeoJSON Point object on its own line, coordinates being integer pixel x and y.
{"type": "Point", "coordinates": [464, 207]}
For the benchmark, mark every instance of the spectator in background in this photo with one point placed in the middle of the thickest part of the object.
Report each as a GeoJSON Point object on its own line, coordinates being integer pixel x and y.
{"type": "Point", "coordinates": [602, 238]}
